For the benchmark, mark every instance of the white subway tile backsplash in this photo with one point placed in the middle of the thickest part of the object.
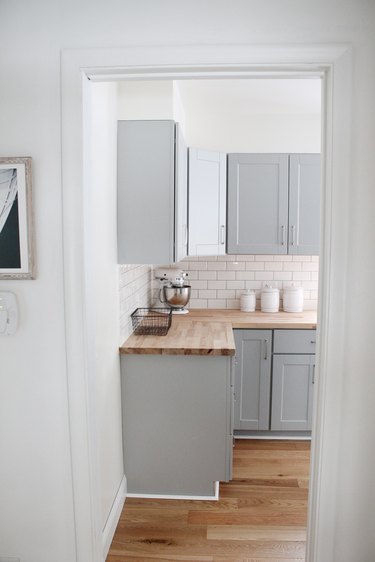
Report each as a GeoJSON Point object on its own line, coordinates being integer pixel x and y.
{"type": "Point", "coordinates": [219, 281]}
{"type": "Point", "coordinates": [200, 284]}
{"type": "Point", "coordinates": [235, 266]}
{"type": "Point", "coordinates": [207, 275]}
{"type": "Point", "coordinates": [226, 275]}
{"type": "Point", "coordinates": [263, 275]}
{"type": "Point", "coordinates": [217, 265]}
{"type": "Point", "coordinates": [282, 258]}
{"type": "Point", "coordinates": [301, 276]}
{"type": "Point", "coordinates": [207, 294]}
{"type": "Point", "coordinates": [245, 275]}
{"type": "Point", "coordinates": [310, 266]}
{"type": "Point", "coordinates": [254, 266]}
{"type": "Point", "coordinates": [235, 284]}
{"type": "Point", "coordinates": [226, 294]}
{"type": "Point", "coordinates": [217, 303]}
{"type": "Point", "coordinates": [233, 303]}
{"type": "Point", "coordinates": [198, 303]}
{"type": "Point", "coordinates": [293, 266]}
{"type": "Point", "coordinates": [273, 266]}
{"type": "Point", "coordinates": [218, 284]}
{"type": "Point", "coordinates": [135, 290]}
{"type": "Point", "coordinates": [301, 258]}
{"type": "Point", "coordinates": [261, 257]}
{"type": "Point", "coordinates": [241, 257]}
{"type": "Point", "coordinates": [282, 276]}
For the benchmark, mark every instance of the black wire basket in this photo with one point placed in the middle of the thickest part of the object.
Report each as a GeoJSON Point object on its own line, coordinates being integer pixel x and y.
{"type": "Point", "coordinates": [151, 321]}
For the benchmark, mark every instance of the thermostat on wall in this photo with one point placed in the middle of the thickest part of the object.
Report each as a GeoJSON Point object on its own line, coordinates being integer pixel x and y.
{"type": "Point", "coordinates": [8, 313]}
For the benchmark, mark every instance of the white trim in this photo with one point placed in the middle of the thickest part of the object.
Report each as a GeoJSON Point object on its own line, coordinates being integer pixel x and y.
{"type": "Point", "coordinates": [215, 497]}
{"type": "Point", "coordinates": [113, 517]}
{"type": "Point", "coordinates": [334, 61]}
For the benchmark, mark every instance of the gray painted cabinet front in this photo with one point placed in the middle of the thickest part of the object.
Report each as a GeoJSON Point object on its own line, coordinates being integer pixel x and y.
{"type": "Point", "coordinates": [292, 392]}
{"type": "Point", "coordinates": [304, 204]}
{"type": "Point", "coordinates": [273, 204]}
{"type": "Point", "coordinates": [177, 423]}
{"type": "Point", "coordinates": [149, 200]}
{"type": "Point", "coordinates": [257, 203]}
{"type": "Point", "coordinates": [252, 379]}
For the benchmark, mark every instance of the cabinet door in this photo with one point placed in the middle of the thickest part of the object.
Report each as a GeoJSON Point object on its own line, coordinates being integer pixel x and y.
{"type": "Point", "coordinates": [145, 202]}
{"type": "Point", "coordinates": [257, 203]}
{"type": "Point", "coordinates": [207, 202]}
{"type": "Point", "coordinates": [292, 392]}
{"type": "Point", "coordinates": [181, 192]}
{"type": "Point", "coordinates": [304, 204]}
{"type": "Point", "coordinates": [252, 379]}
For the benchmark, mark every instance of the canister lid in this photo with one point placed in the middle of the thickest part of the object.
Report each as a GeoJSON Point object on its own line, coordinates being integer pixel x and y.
{"type": "Point", "coordinates": [293, 289]}
{"type": "Point", "coordinates": [269, 289]}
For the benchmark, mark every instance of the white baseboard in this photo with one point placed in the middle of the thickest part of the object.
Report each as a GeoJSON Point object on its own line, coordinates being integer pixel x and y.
{"type": "Point", "coordinates": [215, 497]}
{"type": "Point", "coordinates": [113, 517]}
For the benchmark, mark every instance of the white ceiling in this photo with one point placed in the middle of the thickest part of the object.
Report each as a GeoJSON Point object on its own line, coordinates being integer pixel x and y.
{"type": "Point", "coordinates": [252, 96]}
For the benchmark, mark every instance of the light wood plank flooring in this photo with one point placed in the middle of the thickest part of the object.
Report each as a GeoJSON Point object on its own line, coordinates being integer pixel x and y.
{"type": "Point", "coordinates": [260, 517]}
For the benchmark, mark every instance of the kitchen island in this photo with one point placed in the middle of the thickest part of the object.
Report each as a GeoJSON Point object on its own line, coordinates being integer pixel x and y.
{"type": "Point", "coordinates": [178, 401]}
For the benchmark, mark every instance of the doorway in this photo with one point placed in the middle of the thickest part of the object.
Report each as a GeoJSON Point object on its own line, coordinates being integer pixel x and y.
{"type": "Point", "coordinates": [79, 387]}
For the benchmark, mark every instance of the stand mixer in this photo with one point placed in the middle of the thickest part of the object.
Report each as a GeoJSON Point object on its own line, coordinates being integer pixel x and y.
{"type": "Point", "coordinates": [173, 290]}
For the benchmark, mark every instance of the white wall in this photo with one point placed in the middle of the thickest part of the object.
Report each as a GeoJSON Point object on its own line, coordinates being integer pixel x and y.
{"type": "Point", "coordinates": [36, 506]}
{"type": "Point", "coordinates": [145, 99]}
{"type": "Point", "coordinates": [237, 118]}
{"type": "Point", "coordinates": [102, 285]}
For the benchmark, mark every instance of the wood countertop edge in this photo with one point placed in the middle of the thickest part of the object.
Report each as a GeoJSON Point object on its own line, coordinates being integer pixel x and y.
{"type": "Point", "coordinates": [202, 351]}
{"type": "Point", "coordinates": [222, 346]}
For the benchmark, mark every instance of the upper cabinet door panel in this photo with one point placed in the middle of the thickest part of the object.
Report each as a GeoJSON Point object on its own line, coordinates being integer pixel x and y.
{"type": "Point", "coordinates": [145, 203]}
{"type": "Point", "coordinates": [207, 202]}
{"type": "Point", "coordinates": [257, 203]}
{"type": "Point", "coordinates": [304, 204]}
{"type": "Point", "coordinates": [181, 191]}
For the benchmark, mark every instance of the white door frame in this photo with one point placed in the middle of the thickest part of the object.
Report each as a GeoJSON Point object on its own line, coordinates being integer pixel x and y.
{"type": "Point", "coordinates": [333, 63]}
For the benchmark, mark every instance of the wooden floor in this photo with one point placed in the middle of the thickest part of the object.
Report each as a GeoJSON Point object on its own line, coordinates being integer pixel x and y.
{"type": "Point", "coordinates": [260, 517]}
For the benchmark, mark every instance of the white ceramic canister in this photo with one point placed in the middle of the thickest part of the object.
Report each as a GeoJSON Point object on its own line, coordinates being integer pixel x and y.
{"type": "Point", "coordinates": [293, 299]}
{"type": "Point", "coordinates": [269, 299]}
{"type": "Point", "coordinates": [247, 301]}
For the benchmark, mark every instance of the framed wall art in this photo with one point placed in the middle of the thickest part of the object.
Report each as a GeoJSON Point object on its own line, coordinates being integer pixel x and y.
{"type": "Point", "coordinates": [16, 228]}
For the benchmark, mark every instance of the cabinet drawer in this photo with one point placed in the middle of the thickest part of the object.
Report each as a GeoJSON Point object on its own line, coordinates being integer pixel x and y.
{"type": "Point", "coordinates": [294, 341]}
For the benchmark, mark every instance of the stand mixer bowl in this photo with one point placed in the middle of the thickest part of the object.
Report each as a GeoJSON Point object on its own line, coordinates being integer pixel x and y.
{"type": "Point", "coordinates": [176, 297]}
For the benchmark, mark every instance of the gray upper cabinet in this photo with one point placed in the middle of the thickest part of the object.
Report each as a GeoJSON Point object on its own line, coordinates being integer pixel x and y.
{"type": "Point", "coordinates": [304, 204]}
{"type": "Point", "coordinates": [152, 191]}
{"type": "Point", "coordinates": [292, 392]}
{"type": "Point", "coordinates": [257, 203]}
{"type": "Point", "coordinates": [252, 379]}
{"type": "Point", "coordinates": [273, 203]}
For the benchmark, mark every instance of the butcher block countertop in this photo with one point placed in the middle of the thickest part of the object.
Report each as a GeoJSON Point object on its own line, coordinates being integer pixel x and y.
{"type": "Point", "coordinates": [210, 331]}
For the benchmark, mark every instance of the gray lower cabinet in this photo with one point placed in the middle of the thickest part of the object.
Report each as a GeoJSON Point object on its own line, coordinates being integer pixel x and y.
{"type": "Point", "coordinates": [273, 204]}
{"type": "Point", "coordinates": [177, 423]}
{"type": "Point", "coordinates": [274, 379]}
{"type": "Point", "coordinates": [151, 192]}
{"type": "Point", "coordinates": [292, 392]}
{"type": "Point", "coordinates": [252, 379]}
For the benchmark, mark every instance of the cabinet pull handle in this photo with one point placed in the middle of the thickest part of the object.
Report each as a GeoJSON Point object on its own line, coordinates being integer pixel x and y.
{"type": "Point", "coordinates": [266, 350]}
{"type": "Point", "coordinates": [222, 234]}
{"type": "Point", "coordinates": [312, 341]}
{"type": "Point", "coordinates": [313, 376]}
{"type": "Point", "coordinates": [293, 230]}
{"type": "Point", "coordinates": [283, 235]}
